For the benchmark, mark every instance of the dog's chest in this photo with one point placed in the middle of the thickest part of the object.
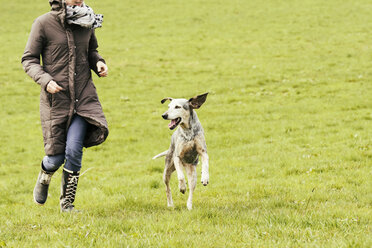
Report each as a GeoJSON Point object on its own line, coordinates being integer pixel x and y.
{"type": "Point", "coordinates": [189, 153]}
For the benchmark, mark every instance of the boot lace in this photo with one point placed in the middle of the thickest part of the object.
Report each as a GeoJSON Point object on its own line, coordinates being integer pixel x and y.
{"type": "Point", "coordinates": [70, 191]}
{"type": "Point", "coordinates": [71, 187]}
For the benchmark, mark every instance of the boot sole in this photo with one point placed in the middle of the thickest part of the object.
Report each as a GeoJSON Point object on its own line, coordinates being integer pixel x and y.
{"type": "Point", "coordinates": [40, 204]}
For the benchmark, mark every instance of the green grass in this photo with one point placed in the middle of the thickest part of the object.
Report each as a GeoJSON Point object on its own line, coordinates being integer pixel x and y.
{"type": "Point", "coordinates": [288, 127]}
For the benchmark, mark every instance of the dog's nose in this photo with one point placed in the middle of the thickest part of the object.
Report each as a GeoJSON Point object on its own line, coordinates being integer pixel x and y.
{"type": "Point", "coordinates": [165, 116]}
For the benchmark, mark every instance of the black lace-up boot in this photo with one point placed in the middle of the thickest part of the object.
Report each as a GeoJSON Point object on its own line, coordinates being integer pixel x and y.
{"type": "Point", "coordinates": [68, 190]}
{"type": "Point", "coordinates": [42, 186]}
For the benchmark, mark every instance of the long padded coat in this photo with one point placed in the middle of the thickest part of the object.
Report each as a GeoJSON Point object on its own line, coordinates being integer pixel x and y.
{"type": "Point", "coordinates": [68, 54]}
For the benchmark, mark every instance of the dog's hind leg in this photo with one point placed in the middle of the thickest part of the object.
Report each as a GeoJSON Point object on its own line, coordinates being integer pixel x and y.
{"type": "Point", "coordinates": [166, 177]}
{"type": "Point", "coordinates": [192, 178]}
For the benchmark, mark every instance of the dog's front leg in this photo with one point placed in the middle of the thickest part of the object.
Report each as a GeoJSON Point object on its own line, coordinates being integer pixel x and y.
{"type": "Point", "coordinates": [180, 175]}
{"type": "Point", "coordinates": [205, 168]}
{"type": "Point", "coordinates": [192, 178]}
{"type": "Point", "coordinates": [202, 151]}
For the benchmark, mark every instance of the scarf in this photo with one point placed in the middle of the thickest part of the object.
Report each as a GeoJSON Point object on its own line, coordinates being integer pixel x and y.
{"type": "Point", "coordinates": [83, 16]}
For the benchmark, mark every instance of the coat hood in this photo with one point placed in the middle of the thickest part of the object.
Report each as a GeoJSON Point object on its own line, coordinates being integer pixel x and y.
{"type": "Point", "coordinates": [56, 4]}
{"type": "Point", "coordinates": [59, 7]}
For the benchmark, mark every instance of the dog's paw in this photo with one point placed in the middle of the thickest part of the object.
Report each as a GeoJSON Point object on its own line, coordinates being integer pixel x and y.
{"type": "Point", "coordinates": [205, 179]}
{"type": "Point", "coordinates": [182, 186]}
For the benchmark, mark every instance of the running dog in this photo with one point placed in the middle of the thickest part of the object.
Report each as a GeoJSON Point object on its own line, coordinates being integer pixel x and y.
{"type": "Point", "coordinates": [187, 144]}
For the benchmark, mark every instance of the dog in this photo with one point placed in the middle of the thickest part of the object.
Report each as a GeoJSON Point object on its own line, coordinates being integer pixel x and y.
{"type": "Point", "coordinates": [187, 144]}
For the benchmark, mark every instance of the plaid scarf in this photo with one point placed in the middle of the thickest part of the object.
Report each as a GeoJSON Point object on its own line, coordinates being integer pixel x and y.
{"type": "Point", "coordinates": [83, 16]}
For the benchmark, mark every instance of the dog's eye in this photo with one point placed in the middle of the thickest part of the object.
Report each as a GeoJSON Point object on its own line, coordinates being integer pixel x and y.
{"type": "Point", "coordinates": [177, 107]}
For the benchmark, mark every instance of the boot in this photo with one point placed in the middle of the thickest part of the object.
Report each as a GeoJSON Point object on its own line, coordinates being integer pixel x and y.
{"type": "Point", "coordinates": [42, 186]}
{"type": "Point", "coordinates": [68, 190]}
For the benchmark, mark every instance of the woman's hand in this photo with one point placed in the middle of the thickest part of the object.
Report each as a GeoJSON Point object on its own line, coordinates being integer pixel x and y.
{"type": "Point", "coordinates": [102, 69]}
{"type": "Point", "coordinates": [53, 87]}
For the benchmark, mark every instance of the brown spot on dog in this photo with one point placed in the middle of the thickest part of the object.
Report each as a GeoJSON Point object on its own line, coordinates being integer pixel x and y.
{"type": "Point", "coordinates": [189, 154]}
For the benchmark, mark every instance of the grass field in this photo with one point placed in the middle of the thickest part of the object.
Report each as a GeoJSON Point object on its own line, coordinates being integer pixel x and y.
{"type": "Point", "coordinates": [287, 121]}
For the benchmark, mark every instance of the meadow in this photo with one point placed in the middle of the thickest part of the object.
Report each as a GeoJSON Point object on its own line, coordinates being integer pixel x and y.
{"type": "Point", "coordinates": [287, 121]}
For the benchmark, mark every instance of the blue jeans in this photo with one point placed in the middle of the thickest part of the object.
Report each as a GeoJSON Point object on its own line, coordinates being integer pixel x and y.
{"type": "Point", "coordinates": [74, 148]}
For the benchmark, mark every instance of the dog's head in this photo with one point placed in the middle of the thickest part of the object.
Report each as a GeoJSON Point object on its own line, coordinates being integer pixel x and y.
{"type": "Point", "coordinates": [179, 109]}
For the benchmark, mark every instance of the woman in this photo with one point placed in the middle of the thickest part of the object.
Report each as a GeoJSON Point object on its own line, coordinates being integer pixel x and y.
{"type": "Point", "coordinates": [70, 111]}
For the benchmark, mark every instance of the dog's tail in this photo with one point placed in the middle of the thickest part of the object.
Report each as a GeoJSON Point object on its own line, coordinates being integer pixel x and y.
{"type": "Point", "coordinates": [161, 154]}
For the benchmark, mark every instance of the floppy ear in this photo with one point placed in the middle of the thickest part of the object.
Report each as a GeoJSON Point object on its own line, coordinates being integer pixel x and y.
{"type": "Point", "coordinates": [197, 101]}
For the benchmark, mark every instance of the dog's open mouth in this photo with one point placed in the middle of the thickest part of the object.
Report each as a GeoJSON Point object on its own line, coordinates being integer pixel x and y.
{"type": "Point", "coordinates": [174, 123]}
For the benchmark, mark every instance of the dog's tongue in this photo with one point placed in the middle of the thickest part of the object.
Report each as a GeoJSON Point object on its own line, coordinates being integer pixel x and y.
{"type": "Point", "coordinates": [172, 123]}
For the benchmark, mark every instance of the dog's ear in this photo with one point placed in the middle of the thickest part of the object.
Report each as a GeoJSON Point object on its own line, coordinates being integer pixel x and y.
{"type": "Point", "coordinates": [165, 99]}
{"type": "Point", "coordinates": [197, 101]}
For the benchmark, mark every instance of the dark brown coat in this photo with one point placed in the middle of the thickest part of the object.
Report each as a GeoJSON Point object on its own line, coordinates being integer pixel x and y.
{"type": "Point", "coordinates": [68, 54]}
